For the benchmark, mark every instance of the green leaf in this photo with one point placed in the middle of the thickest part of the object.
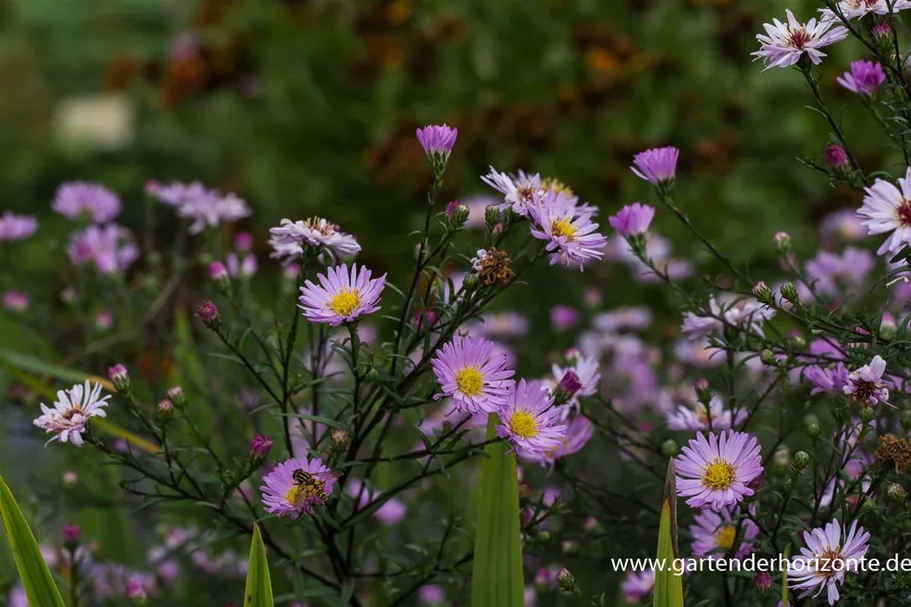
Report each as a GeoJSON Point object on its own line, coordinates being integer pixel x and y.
{"type": "Point", "coordinates": [784, 579]}
{"type": "Point", "coordinates": [258, 592]}
{"type": "Point", "coordinates": [496, 579]}
{"type": "Point", "coordinates": [668, 586]}
{"type": "Point", "coordinates": [36, 578]}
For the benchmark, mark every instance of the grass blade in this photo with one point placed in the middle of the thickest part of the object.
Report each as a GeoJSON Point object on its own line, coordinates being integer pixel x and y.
{"type": "Point", "coordinates": [496, 579]}
{"type": "Point", "coordinates": [258, 592]}
{"type": "Point", "coordinates": [36, 578]}
{"type": "Point", "coordinates": [668, 587]}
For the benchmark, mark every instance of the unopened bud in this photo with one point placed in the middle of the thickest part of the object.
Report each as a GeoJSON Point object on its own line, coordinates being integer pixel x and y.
{"type": "Point", "coordinates": [260, 446]}
{"type": "Point", "coordinates": [813, 430]}
{"type": "Point", "coordinates": [888, 326]}
{"type": "Point", "coordinates": [703, 391]}
{"type": "Point", "coordinates": [339, 437]}
{"type": "Point", "coordinates": [525, 490]}
{"type": "Point", "coordinates": [70, 478]}
{"type": "Point", "coordinates": [569, 546]}
{"type": "Point", "coordinates": [801, 459]}
{"type": "Point", "coordinates": [568, 386]}
{"type": "Point", "coordinates": [767, 357]}
{"type": "Point", "coordinates": [869, 506]}
{"type": "Point", "coordinates": [566, 580]}
{"type": "Point", "coordinates": [135, 592]}
{"type": "Point", "coordinates": [119, 377]}
{"type": "Point", "coordinates": [782, 242]}
{"type": "Point", "coordinates": [208, 314]}
{"type": "Point", "coordinates": [763, 293]}
{"type": "Point", "coordinates": [457, 214]}
{"type": "Point", "coordinates": [572, 356]}
{"type": "Point", "coordinates": [178, 398]}
{"type": "Point", "coordinates": [836, 157]}
{"type": "Point", "coordinates": [882, 32]}
{"type": "Point", "coordinates": [471, 282]}
{"type": "Point", "coordinates": [789, 292]}
{"type": "Point", "coordinates": [165, 410]}
{"type": "Point", "coordinates": [71, 534]}
{"type": "Point", "coordinates": [492, 216]}
{"type": "Point", "coordinates": [782, 456]}
{"type": "Point", "coordinates": [896, 492]}
{"type": "Point", "coordinates": [866, 415]}
{"type": "Point", "coordinates": [669, 448]}
{"type": "Point", "coordinates": [763, 582]}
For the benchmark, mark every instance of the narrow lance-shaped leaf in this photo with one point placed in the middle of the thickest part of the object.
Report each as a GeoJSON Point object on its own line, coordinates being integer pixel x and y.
{"type": "Point", "coordinates": [258, 592]}
{"type": "Point", "coordinates": [784, 579]}
{"type": "Point", "coordinates": [36, 578]}
{"type": "Point", "coordinates": [668, 585]}
{"type": "Point", "coordinates": [496, 579]}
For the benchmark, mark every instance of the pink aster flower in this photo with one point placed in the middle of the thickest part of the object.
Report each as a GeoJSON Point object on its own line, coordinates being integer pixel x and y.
{"type": "Point", "coordinates": [822, 564]}
{"type": "Point", "coordinates": [519, 191]}
{"type": "Point", "coordinates": [865, 384]}
{"type": "Point", "coordinates": [632, 220]}
{"type": "Point", "coordinates": [530, 422]}
{"type": "Point", "coordinates": [291, 238]}
{"type": "Point", "coordinates": [473, 374]}
{"type": "Point", "coordinates": [341, 296]}
{"type": "Point", "coordinates": [77, 199]}
{"type": "Point", "coordinates": [563, 318]}
{"type": "Point", "coordinates": [571, 237]}
{"type": "Point", "coordinates": [637, 585]}
{"type": "Point", "coordinates": [431, 595]}
{"type": "Point", "coordinates": [241, 267]}
{"type": "Point", "coordinates": [15, 301]}
{"type": "Point", "coordinates": [827, 380]}
{"type": "Point", "coordinates": [658, 166]}
{"type": "Point", "coordinates": [285, 496]}
{"type": "Point", "coordinates": [887, 208]}
{"type": "Point", "coordinates": [784, 44]}
{"type": "Point", "coordinates": [716, 471]}
{"type": "Point", "coordinates": [72, 411]}
{"type": "Point", "coordinates": [16, 227]}
{"type": "Point", "coordinates": [204, 207]}
{"type": "Point", "coordinates": [863, 78]}
{"type": "Point", "coordinates": [855, 9]}
{"type": "Point", "coordinates": [714, 534]}
{"type": "Point", "coordinates": [437, 140]}
{"type": "Point", "coordinates": [111, 248]}
{"type": "Point", "coordinates": [698, 418]}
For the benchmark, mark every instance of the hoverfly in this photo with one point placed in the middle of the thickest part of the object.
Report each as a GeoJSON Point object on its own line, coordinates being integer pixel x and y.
{"type": "Point", "coordinates": [315, 486]}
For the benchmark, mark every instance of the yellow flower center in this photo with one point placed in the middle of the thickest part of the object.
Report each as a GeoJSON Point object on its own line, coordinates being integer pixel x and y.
{"type": "Point", "coordinates": [562, 227]}
{"type": "Point", "coordinates": [297, 495]}
{"type": "Point", "coordinates": [724, 537]}
{"type": "Point", "coordinates": [345, 302]}
{"type": "Point", "coordinates": [556, 186]}
{"type": "Point", "coordinates": [718, 475]}
{"type": "Point", "coordinates": [523, 424]}
{"type": "Point", "coordinates": [470, 381]}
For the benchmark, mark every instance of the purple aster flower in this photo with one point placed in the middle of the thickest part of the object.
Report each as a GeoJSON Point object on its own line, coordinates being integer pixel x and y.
{"type": "Point", "coordinates": [431, 595]}
{"type": "Point", "coordinates": [828, 271]}
{"type": "Point", "coordinates": [632, 220]}
{"type": "Point", "coordinates": [72, 411]}
{"type": "Point", "coordinates": [519, 191]}
{"type": "Point", "coordinates": [204, 207]}
{"type": "Point", "coordinates": [15, 301]}
{"type": "Point", "coordinates": [716, 471]}
{"type": "Point", "coordinates": [473, 374]}
{"type": "Point", "coordinates": [822, 564]}
{"type": "Point", "coordinates": [110, 247]}
{"type": "Point", "coordinates": [658, 166]}
{"type": "Point", "coordinates": [571, 237]}
{"type": "Point", "coordinates": [887, 208]}
{"type": "Point", "coordinates": [784, 44]}
{"type": "Point", "coordinates": [563, 318]}
{"type": "Point", "coordinates": [714, 534]}
{"type": "Point", "coordinates": [285, 496]}
{"type": "Point", "coordinates": [241, 267]}
{"type": "Point", "coordinates": [579, 431]}
{"type": "Point", "coordinates": [844, 224]}
{"type": "Point", "coordinates": [17, 598]}
{"type": "Point", "coordinates": [16, 227]}
{"type": "Point", "coordinates": [701, 419]}
{"type": "Point", "coordinates": [289, 240]}
{"type": "Point", "coordinates": [530, 422]}
{"type": "Point", "coordinates": [864, 385]}
{"type": "Point", "coordinates": [827, 380]}
{"type": "Point", "coordinates": [341, 296]}
{"type": "Point", "coordinates": [437, 141]}
{"type": "Point", "coordinates": [77, 199]}
{"type": "Point", "coordinates": [637, 585]}
{"type": "Point", "coordinates": [864, 78]}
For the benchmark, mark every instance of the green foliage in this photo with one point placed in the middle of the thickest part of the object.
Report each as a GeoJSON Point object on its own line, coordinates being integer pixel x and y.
{"type": "Point", "coordinates": [258, 591]}
{"type": "Point", "coordinates": [36, 578]}
{"type": "Point", "coordinates": [497, 569]}
{"type": "Point", "coordinates": [668, 586]}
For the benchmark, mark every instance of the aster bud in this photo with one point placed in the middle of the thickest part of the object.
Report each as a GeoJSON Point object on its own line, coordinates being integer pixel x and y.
{"type": "Point", "coordinates": [177, 397]}
{"type": "Point", "coordinates": [492, 216]}
{"type": "Point", "coordinates": [763, 582]}
{"type": "Point", "coordinates": [525, 489]}
{"type": "Point", "coordinates": [813, 430]}
{"type": "Point", "coordinates": [119, 377]}
{"type": "Point", "coordinates": [763, 293]}
{"type": "Point", "coordinates": [887, 326]}
{"type": "Point", "coordinates": [471, 282]}
{"type": "Point", "coordinates": [135, 592]}
{"type": "Point", "coordinates": [882, 31]}
{"type": "Point", "coordinates": [218, 274]}
{"type": "Point", "coordinates": [457, 213]}
{"type": "Point", "coordinates": [572, 356]}
{"type": "Point", "coordinates": [566, 580]}
{"type": "Point", "coordinates": [767, 357]}
{"type": "Point", "coordinates": [801, 459]}
{"type": "Point", "coordinates": [669, 448]}
{"type": "Point", "coordinates": [836, 157]}
{"type": "Point", "coordinates": [260, 446]}
{"type": "Point", "coordinates": [208, 314]}
{"type": "Point", "coordinates": [782, 242]}
{"type": "Point", "coordinates": [782, 456]}
{"type": "Point", "coordinates": [544, 536]}
{"type": "Point", "coordinates": [896, 492]}
{"type": "Point", "coordinates": [165, 410]}
{"type": "Point", "coordinates": [866, 414]}
{"type": "Point", "coordinates": [703, 392]}
{"type": "Point", "coordinates": [592, 524]}
{"type": "Point", "coordinates": [789, 292]}
{"type": "Point", "coordinates": [339, 437]}
{"type": "Point", "coordinates": [568, 386]}
{"type": "Point", "coordinates": [798, 342]}
{"type": "Point", "coordinates": [243, 242]}
{"type": "Point", "coordinates": [70, 478]}
{"type": "Point", "coordinates": [869, 506]}
{"type": "Point", "coordinates": [71, 534]}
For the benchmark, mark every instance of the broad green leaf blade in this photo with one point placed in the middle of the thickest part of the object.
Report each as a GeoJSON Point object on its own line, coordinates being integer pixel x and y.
{"type": "Point", "coordinates": [668, 586]}
{"type": "Point", "coordinates": [36, 578]}
{"type": "Point", "coordinates": [258, 592]}
{"type": "Point", "coordinates": [496, 579]}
